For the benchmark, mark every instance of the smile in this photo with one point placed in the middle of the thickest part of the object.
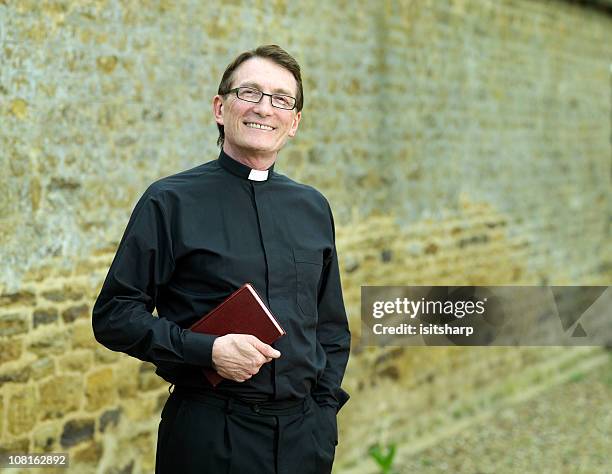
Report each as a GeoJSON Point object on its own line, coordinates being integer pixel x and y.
{"type": "Point", "coordinates": [259, 126]}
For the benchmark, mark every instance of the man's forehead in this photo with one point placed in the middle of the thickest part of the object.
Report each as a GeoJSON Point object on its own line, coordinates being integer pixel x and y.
{"type": "Point", "coordinates": [264, 74]}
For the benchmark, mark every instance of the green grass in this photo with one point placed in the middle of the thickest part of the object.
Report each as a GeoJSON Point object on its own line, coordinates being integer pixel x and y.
{"type": "Point", "coordinates": [577, 377]}
{"type": "Point", "coordinates": [383, 457]}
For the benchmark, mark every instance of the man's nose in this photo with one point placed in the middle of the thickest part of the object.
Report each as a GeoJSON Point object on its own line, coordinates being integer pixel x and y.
{"type": "Point", "coordinates": [264, 106]}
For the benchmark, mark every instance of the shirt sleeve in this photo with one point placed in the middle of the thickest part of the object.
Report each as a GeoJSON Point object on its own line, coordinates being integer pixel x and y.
{"type": "Point", "coordinates": [122, 315]}
{"type": "Point", "coordinates": [332, 333]}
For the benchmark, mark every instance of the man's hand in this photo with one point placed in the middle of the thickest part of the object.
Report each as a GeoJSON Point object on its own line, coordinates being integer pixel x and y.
{"type": "Point", "coordinates": [239, 356]}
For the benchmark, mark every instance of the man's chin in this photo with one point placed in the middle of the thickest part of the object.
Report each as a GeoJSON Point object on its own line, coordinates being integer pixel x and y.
{"type": "Point", "coordinates": [259, 147]}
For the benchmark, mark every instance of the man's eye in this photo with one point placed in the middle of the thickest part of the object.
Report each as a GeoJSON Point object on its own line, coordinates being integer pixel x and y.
{"type": "Point", "coordinates": [250, 93]}
{"type": "Point", "coordinates": [281, 100]}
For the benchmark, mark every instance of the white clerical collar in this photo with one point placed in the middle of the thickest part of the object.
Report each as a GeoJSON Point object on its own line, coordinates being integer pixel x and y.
{"type": "Point", "coordinates": [242, 170]}
{"type": "Point", "coordinates": [258, 175]}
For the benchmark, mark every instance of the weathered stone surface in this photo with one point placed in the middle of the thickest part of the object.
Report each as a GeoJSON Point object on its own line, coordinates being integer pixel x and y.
{"type": "Point", "coordinates": [60, 395]}
{"type": "Point", "coordinates": [90, 453]}
{"type": "Point", "coordinates": [21, 298]}
{"type": "Point", "coordinates": [82, 335]}
{"type": "Point", "coordinates": [10, 349]}
{"type": "Point", "coordinates": [77, 431]}
{"type": "Point", "coordinates": [127, 376]}
{"type": "Point", "coordinates": [127, 468]}
{"type": "Point", "coordinates": [76, 361]}
{"type": "Point", "coordinates": [147, 379]}
{"type": "Point", "coordinates": [65, 293]}
{"type": "Point", "coordinates": [110, 419]}
{"type": "Point", "coordinates": [144, 444]}
{"type": "Point", "coordinates": [50, 341]}
{"type": "Point", "coordinates": [102, 355]}
{"type": "Point", "coordinates": [45, 438]}
{"type": "Point", "coordinates": [74, 312]}
{"type": "Point", "coordinates": [42, 367]}
{"type": "Point", "coordinates": [100, 388]}
{"type": "Point", "coordinates": [19, 445]}
{"type": "Point", "coordinates": [107, 64]}
{"type": "Point", "coordinates": [19, 108]}
{"type": "Point", "coordinates": [18, 371]}
{"type": "Point", "coordinates": [12, 324]}
{"type": "Point", "coordinates": [140, 409]}
{"type": "Point", "coordinates": [44, 316]}
{"type": "Point", "coordinates": [22, 410]}
{"type": "Point", "coordinates": [86, 267]}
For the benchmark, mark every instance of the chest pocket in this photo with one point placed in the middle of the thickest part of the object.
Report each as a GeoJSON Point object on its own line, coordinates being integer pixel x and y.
{"type": "Point", "coordinates": [308, 267]}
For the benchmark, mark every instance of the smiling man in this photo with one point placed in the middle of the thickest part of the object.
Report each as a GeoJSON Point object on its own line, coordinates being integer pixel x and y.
{"type": "Point", "coordinates": [197, 236]}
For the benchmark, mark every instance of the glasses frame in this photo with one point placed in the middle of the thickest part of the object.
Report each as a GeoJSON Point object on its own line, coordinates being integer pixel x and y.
{"type": "Point", "coordinates": [236, 89]}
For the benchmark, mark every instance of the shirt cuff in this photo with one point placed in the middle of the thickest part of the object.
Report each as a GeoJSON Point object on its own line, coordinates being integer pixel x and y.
{"type": "Point", "coordinates": [197, 348]}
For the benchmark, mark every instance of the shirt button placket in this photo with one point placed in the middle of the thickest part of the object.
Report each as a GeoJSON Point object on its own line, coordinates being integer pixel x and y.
{"type": "Point", "coordinates": [267, 238]}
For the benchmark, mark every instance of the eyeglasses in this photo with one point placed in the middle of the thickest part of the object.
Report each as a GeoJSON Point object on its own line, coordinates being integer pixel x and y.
{"type": "Point", "coordinates": [279, 101]}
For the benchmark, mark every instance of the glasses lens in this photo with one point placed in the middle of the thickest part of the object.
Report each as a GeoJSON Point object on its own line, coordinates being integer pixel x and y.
{"type": "Point", "coordinates": [246, 93]}
{"type": "Point", "coordinates": [283, 101]}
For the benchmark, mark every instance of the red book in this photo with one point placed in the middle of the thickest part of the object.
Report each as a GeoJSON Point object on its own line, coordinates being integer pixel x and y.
{"type": "Point", "coordinates": [243, 312]}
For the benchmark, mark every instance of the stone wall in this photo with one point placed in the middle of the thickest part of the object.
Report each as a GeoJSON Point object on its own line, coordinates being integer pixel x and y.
{"type": "Point", "coordinates": [459, 142]}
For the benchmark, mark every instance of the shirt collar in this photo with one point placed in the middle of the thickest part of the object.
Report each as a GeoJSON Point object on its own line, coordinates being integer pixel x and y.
{"type": "Point", "coordinates": [242, 170]}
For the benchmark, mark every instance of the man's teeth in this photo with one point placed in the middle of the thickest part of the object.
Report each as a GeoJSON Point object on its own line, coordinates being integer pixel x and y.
{"type": "Point", "coordinates": [257, 125]}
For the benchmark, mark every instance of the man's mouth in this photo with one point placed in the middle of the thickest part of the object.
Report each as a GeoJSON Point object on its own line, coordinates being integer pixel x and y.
{"type": "Point", "coordinates": [259, 126]}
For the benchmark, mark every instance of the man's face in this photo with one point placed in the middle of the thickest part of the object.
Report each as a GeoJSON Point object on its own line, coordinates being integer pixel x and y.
{"type": "Point", "coordinates": [238, 116]}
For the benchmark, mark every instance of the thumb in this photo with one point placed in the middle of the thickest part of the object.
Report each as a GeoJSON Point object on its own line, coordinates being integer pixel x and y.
{"type": "Point", "coordinates": [266, 349]}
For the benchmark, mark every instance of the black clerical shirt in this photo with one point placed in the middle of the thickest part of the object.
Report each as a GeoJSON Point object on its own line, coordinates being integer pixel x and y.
{"type": "Point", "coordinates": [197, 236]}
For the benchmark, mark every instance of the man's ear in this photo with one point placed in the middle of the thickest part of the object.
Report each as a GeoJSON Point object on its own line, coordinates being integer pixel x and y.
{"type": "Point", "coordinates": [217, 106]}
{"type": "Point", "coordinates": [294, 125]}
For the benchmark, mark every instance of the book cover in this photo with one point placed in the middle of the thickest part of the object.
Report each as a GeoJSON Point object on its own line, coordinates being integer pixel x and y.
{"type": "Point", "coordinates": [243, 312]}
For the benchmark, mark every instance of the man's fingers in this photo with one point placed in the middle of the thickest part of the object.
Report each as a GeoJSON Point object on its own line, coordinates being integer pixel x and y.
{"type": "Point", "coordinates": [265, 349]}
{"type": "Point", "coordinates": [240, 356]}
{"type": "Point", "coordinates": [273, 353]}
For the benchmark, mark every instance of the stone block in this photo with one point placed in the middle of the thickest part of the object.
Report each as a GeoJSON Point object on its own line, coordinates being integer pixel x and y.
{"type": "Point", "coordinates": [10, 349]}
{"type": "Point", "coordinates": [77, 431]}
{"type": "Point", "coordinates": [82, 335]}
{"type": "Point", "coordinates": [44, 316]}
{"type": "Point", "coordinates": [13, 323]}
{"type": "Point", "coordinates": [16, 371]}
{"type": "Point", "coordinates": [76, 361]}
{"type": "Point", "coordinates": [89, 454]}
{"type": "Point", "coordinates": [127, 468]}
{"type": "Point", "coordinates": [86, 267]}
{"type": "Point", "coordinates": [66, 293]}
{"type": "Point", "coordinates": [102, 355]}
{"type": "Point", "coordinates": [50, 341]}
{"type": "Point", "coordinates": [147, 379]}
{"type": "Point", "coordinates": [42, 368]}
{"type": "Point", "coordinates": [144, 444]}
{"type": "Point", "coordinates": [60, 395]}
{"type": "Point", "coordinates": [100, 389]}
{"type": "Point", "coordinates": [74, 312]}
{"type": "Point", "coordinates": [19, 445]}
{"type": "Point", "coordinates": [126, 374]}
{"type": "Point", "coordinates": [110, 418]}
{"type": "Point", "coordinates": [21, 298]}
{"type": "Point", "coordinates": [45, 438]}
{"type": "Point", "coordinates": [22, 410]}
{"type": "Point", "coordinates": [140, 409]}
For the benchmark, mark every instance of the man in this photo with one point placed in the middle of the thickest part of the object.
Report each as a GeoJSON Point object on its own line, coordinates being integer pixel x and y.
{"type": "Point", "coordinates": [194, 238]}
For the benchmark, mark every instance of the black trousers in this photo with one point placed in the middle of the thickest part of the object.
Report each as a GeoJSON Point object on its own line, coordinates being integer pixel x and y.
{"type": "Point", "coordinates": [204, 434]}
